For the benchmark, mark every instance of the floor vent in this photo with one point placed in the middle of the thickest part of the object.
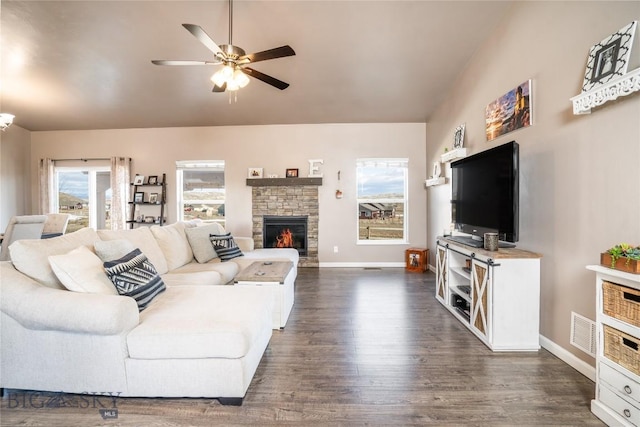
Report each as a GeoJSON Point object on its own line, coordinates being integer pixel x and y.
{"type": "Point", "coordinates": [372, 268]}
{"type": "Point", "coordinates": [583, 333]}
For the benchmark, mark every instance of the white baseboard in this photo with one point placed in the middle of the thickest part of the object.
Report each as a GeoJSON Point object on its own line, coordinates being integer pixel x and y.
{"type": "Point", "coordinates": [432, 268]}
{"type": "Point", "coordinates": [568, 358]}
{"type": "Point", "coordinates": [362, 264]}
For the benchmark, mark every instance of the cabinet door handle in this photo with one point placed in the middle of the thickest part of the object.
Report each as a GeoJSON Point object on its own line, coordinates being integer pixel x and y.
{"type": "Point", "coordinates": [629, 343]}
{"type": "Point", "coordinates": [627, 389]}
{"type": "Point", "coordinates": [627, 413]}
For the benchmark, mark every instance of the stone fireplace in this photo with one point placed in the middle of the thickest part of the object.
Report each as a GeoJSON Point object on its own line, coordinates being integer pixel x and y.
{"type": "Point", "coordinates": [289, 200]}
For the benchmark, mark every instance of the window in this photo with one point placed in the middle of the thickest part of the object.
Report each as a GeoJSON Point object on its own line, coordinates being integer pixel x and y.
{"type": "Point", "coordinates": [381, 198]}
{"type": "Point", "coordinates": [201, 192]}
{"type": "Point", "coordinates": [84, 192]}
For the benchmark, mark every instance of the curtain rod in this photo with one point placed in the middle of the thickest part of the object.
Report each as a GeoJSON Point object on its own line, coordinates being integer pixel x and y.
{"type": "Point", "coordinates": [85, 159]}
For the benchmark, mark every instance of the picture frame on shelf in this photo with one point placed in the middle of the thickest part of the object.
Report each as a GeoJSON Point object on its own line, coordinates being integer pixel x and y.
{"type": "Point", "coordinates": [436, 170]}
{"type": "Point", "coordinates": [458, 137]}
{"type": "Point", "coordinates": [609, 58]}
{"type": "Point", "coordinates": [292, 173]}
{"type": "Point", "coordinates": [153, 180]}
{"type": "Point", "coordinates": [138, 180]}
{"type": "Point", "coordinates": [153, 198]}
{"type": "Point", "coordinates": [138, 197]}
{"type": "Point", "coordinates": [255, 173]}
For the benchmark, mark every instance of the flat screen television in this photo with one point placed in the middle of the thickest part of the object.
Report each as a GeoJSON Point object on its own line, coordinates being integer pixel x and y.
{"type": "Point", "coordinates": [485, 195]}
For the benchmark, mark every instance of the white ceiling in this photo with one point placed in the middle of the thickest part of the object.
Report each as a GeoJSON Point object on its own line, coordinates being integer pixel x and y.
{"type": "Point", "coordinates": [86, 64]}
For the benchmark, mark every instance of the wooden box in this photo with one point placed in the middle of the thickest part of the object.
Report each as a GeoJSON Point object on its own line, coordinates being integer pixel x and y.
{"type": "Point", "coordinates": [416, 259]}
{"type": "Point", "coordinates": [632, 266]}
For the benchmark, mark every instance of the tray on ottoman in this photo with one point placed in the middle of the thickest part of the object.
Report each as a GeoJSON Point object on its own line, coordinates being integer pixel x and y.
{"type": "Point", "coordinates": [277, 279]}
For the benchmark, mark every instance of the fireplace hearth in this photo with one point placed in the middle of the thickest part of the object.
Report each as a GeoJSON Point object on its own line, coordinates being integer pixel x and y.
{"type": "Point", "coordinates": [285, 232]}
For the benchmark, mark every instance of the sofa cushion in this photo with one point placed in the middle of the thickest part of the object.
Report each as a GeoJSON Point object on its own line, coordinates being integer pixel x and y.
{"type": "Point", "coordinates": [193, 322]}
{"type": "Point", "coordinates": [31, 256]}
{"type": "Point", "coordinates": [174, 244]}
{"type": "Point", "coordinates": [225, 246]}
{"type": "Point", "coordinates": [143, 239]}
{"type": "Point", "coordinates": [198, 238]}
{"type": "Point", "coordinates": [134, 276]}
{"type": "Point", "coordinates": [205, 277]}
{"type": "Point", "coordinates": [81, 271]}
{"type": "Point", "coordinates": [226, 270]}
{"type": "Point", "coordinates": [109, 250]}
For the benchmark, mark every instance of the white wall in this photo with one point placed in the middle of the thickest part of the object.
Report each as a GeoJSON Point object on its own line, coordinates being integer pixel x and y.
{"type": "Point", "coordinates": [580, 175]}
{"type": "Point", "coordinates": [15, 185]}
{"type": "Point", "coordinates": [274, 148]}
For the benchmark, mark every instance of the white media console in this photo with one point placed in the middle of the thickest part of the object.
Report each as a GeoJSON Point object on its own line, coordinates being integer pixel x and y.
{"type": "Point", "coordinates": [496, 294]}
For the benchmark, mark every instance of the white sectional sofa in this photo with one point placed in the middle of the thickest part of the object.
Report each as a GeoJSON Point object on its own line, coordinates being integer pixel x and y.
{"type": "Point", "coordinates": [199, 337]}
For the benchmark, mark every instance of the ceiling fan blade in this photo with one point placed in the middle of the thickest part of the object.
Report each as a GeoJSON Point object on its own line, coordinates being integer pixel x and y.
{"type": "Point", "coordinates": [265, 78]}
{"type": "Point", "coordinates": [204, 38]}
{"type": "Point", "coordinates": [217, 88]}
{"type": "Point", "coordinates": [278, 52]}
{"type": "Point", "coordinates": [187, 62]}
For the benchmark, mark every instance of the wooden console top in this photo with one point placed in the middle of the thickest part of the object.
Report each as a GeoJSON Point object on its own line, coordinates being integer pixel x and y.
{"type": "Point", "coordinates": [500, 253]}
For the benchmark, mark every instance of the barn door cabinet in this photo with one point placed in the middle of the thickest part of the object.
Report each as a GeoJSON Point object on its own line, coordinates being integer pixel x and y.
{"type": "Point", "coordinates": [617, 400]}
{"type": "Point", "coordinates": [496, 294]}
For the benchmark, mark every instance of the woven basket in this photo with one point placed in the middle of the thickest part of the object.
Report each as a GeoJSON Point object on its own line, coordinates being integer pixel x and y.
{"type": "Point", "coordinates": [621, 302]}
{"type": "Point", "coordinates": [622, 349]}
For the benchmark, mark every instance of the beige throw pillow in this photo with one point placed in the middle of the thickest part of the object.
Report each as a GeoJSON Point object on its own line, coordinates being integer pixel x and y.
{"type": "Point", "coordinates": [200, 243]}
{"type": "Point", "coordinates": [81, 271]}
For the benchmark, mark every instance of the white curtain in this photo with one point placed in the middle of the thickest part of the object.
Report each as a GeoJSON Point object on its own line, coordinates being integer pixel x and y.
{"type": "Point", "coordinates": [46, 196]}
{"type": "Point", "coordinates": [120, 182]}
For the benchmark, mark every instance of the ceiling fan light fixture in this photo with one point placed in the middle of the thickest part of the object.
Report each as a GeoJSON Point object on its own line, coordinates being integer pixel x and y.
{"type": "Point", "coordinates": [240, 78]}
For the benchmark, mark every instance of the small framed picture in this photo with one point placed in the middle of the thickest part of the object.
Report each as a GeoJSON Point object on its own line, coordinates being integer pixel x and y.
{"type": "Point", "coordinates": [138, 197]}
{"type": "Point", "coordinates": [609, 58]}
{"type": "Point", "coordinates": [153, 180]}
{"type": "Point", "coordinates": [254, 173]}
{"type": "Point", "coordinates": [292, 173]}
{"type": "Point", "coordinates": [436, 170]}
{"type": "Point", "coordinates": [153, 197]}
{"type": "Point", "coordinates": [458, 137]}
{"type": "Point", "coordinates": [138, 180]}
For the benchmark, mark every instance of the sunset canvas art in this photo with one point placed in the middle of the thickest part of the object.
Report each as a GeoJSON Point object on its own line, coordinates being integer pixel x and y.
{"type": "Point", "coordinates": [510, 112]}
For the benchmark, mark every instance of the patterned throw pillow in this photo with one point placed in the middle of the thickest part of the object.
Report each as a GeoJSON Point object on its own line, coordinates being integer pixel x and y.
{"type": "Point", "coordinates": [225, 246]}
{"type": "Point", "coordinates": [134, 276]}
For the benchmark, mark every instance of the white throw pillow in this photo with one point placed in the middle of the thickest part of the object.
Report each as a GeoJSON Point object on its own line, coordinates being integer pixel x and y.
{"type": "Point", "coordinates": [81, 271]}
{"type": "Point", "coordinates": [174, 244]}
{"type": "Point", "coordinates": [108, 250]}
{"type": "Point", "coordinates": [199, 240]}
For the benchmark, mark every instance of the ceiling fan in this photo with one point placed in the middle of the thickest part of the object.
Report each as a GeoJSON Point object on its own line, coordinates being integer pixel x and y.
{"type": "Point", "coordinates": [233, 75]}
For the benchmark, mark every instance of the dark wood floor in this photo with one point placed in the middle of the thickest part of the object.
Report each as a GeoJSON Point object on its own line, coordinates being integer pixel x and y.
{"type": "Point", "coordinates": [362, 347]}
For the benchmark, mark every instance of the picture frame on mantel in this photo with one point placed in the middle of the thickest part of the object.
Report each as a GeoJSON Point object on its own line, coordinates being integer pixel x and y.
{"type": "Point", "coordinates": [255, 173]}
{"type": "Point", "coordinates": [609, 58]}
{"type": "Point", "coordinates": [292, 173]}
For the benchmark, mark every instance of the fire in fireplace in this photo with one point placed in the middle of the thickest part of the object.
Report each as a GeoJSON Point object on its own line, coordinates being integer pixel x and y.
{"type": "Point", "coordinates": [285, 232]}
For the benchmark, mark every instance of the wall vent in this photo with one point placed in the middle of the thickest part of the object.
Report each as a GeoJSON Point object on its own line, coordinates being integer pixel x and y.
{"type": "Point", "coordinates": [583, 333]}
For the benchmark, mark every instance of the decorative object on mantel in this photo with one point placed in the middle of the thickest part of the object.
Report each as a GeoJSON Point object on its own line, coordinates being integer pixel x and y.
{"type": "Point", "coordinates": [292, 173]}
{"type": "Point", "coordinates": [272, 175]}
{"type": "Point", "coordinates": [510, 112]}
{"type": "Point", "coordinates": [458, 137]}
{"type": "Point", "coordinates": [609, 59]}
{"type": "Point", "coordinates": [255, 173]}
{"type": "Point", "coordinates": [338, 191]}
{"type": "Point", "coordinates": [314, 168]}
{"type": "Point", "coordinates": [623, 257]}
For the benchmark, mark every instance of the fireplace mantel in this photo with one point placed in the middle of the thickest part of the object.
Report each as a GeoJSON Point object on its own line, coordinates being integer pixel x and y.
{"type": "Point", "coordinates": [282, 182]}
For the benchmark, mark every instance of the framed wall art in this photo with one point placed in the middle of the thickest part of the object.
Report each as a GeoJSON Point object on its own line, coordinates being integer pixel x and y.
{"type": "Point", "coordinates": [458, 137]}
{"type": "Point", "coordinates": [510, 112]}
{"type": "Point", "coordinates": [609, 58]}
{"type": "Point", "coordinates": [153, 180]}
{"type": "Point", "coordinates": [292, 173]}
{"type": "Point", "coordinates": [255, 173]}
{"type": "Point", "coordinates": [138, 180]}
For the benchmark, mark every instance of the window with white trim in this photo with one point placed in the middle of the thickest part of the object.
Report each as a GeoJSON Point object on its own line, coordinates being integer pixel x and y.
{"type": "Point", "coordinates": [201, 191]}
{"type": "Point", "coordinates": [382, 200]}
